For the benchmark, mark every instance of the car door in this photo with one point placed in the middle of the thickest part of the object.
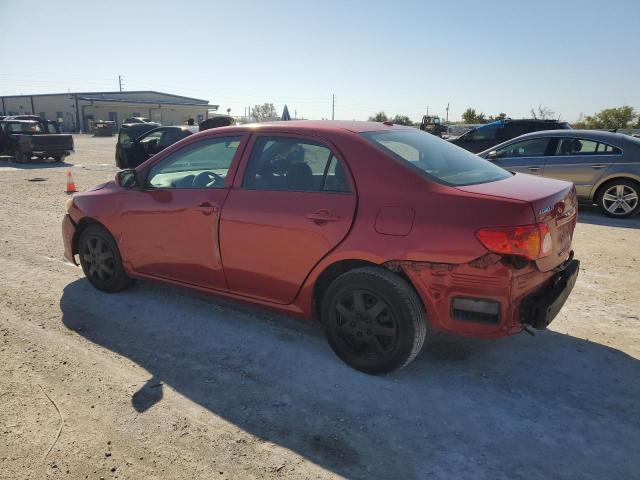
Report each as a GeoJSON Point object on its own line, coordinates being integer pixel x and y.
{"type": "Point", "coordinates": [581, 161]}
{"type": "Point", "coordinates": [525, 156]}
{"type": "Point", "coordinates": [293, 204]}
{"type": "Point", "coordinates": [170, 225]}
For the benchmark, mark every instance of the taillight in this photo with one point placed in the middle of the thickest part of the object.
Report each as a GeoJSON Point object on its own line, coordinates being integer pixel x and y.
{"type": "Point", "coordinates": [529, 241]}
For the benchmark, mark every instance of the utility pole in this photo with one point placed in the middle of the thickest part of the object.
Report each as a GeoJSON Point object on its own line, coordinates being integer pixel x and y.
{"type": "Point", "coordinates": [447, 113]}
{"type": "Point", "coordinates": [120, 81]}
{"type": "Point", "coordinates": [333, 106]}
{"type": "Point", "coordinates": [427, 110]}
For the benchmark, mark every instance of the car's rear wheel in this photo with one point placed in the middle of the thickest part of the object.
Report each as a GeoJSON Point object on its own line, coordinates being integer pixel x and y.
{"type": "Point", "coordinates": [100, 260]}
{"type": "Point", "coordinates": [373, 320]}
{"type": "Point", "coordinates": [619, 198]}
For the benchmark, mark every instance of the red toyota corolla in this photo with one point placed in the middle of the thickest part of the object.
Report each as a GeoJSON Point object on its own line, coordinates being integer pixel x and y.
{"type": "Point", "coordinates": [383, 233]}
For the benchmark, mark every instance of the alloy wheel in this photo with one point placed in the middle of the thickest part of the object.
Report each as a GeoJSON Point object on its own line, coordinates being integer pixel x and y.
{"type": "Point", "coordinates": [99, 258]}
{"type": "Point", "coordinates": [620, 199]}
{"type": "Point", "coordinates": [365, 324]}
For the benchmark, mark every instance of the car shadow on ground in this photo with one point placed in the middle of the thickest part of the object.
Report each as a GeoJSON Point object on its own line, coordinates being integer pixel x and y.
{"type": "Point", "coordinates": [32, 164]}
{"type": "Point", "coordinates": [549, 406]}
{"type": "Point", "coordinates": [593, 215]}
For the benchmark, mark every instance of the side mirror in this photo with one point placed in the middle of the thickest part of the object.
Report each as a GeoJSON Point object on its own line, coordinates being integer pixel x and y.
{"type": "Point", "coordinates": [127, 178]}
{"type": "Point", "coordinates": [492, 155]}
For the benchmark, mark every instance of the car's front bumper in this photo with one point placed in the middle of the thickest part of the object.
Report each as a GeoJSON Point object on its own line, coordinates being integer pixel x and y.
{"type": "Point", "coordinates": [68, 233]}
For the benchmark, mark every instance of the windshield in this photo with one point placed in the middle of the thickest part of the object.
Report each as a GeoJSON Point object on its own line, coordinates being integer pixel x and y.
{"type": "Point", "coordinates": [437, 158]}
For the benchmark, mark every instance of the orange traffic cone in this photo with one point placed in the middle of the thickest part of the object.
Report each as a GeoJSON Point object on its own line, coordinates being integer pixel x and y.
{"type": "Point", "coordinates": [71, 186]}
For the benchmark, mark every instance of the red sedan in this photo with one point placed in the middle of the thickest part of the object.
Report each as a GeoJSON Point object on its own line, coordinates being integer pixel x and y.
{"type": "Point", "coordinates": [384, 233]}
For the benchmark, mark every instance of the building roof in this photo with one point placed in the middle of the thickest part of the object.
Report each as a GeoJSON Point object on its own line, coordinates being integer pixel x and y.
{"type": "Point", "coordinates": [117, 96]}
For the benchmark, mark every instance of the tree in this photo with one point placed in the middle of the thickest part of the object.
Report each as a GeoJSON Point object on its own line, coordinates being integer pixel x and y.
{"type": "Point", "coordinates": [402, 120]}
{"type": "Point", "coordinates": [543, 113]}
{"type": "Point", "coordinates": [379, 117]}
{"type": "Point", "coordinates": [500, 116]}
{"type": "Point", "coordinates": [471, 116]}
{"type": "Point", "coordinates": [609, 119]}
{"type": "Point", "coordinates": [263, 112]}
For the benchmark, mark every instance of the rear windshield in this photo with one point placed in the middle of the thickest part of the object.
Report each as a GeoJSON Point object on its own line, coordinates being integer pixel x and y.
{"type": "Point", "coordinates": [436, 158]}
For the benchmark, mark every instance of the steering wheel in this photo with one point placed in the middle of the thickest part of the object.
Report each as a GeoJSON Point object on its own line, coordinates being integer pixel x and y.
{"type": "Point", "coordinates": [207, 179]}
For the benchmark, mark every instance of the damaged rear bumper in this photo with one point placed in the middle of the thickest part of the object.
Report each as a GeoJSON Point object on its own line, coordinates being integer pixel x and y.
{"type": "Point", "coordinates": [488, 297]}
{"type": "Point", "coordinates": [540, 308]}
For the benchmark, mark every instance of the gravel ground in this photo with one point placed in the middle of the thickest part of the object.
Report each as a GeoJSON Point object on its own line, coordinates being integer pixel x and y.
{"type": "Point", "coordinates": [159, 382]}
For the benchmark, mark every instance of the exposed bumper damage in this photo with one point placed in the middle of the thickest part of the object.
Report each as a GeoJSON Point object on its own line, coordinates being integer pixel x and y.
{"type": "Point", "coordinates": [489, 288]}
{"type": "Point", "coordinates": [68, 232]}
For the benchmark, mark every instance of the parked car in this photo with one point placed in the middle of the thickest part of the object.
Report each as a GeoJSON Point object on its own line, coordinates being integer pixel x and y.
{"type": "Point", "coordinates": [382, 232]}
{"type": "Point", "coordinates": [604, 166]}
{"type": "Point", "coordinates": [137, 120]}
{"type": "Point", "coordinates": [132, 149]}
{"type": "Point", "coordinates": [25, 139]}
{"type": "Point", "coordinates": [491, 134]}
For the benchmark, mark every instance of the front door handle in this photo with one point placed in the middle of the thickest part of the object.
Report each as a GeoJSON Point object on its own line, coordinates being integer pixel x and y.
{"type": "Point", "coordinates": [208, 207]}
{"type": "Point", "coordinates": [322, 216]}
{"type": "Point", "coordinates": [598, 166]}
{"type": "Point", "coordinates": [533, 169]}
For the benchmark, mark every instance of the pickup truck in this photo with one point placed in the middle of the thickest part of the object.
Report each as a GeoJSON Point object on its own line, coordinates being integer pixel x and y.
{"type": "Point", "coordinates": [25, 139]}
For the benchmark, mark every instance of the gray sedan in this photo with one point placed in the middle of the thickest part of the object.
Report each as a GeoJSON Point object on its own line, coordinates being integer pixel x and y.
{"type": "Point", "coordinates": [604, 166]}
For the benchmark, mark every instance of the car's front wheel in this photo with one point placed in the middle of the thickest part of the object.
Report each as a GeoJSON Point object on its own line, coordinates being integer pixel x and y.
{"type": "Point", "coordinates": [100, 260]}
{"type": "Point", "coordinates": [619, 198]}
{"type": "Point", "coordinates": [21, 157]}
{"type": "Point", "coordinates": [373, 320]}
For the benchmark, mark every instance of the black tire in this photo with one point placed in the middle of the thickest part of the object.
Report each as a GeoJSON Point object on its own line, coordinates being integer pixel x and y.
{"type": "Point", "coordinates": [100, 260]}
{"type": "Point", "coordinates": [21, 157]}
{"type": "Point", "coordinates": [370, 336]}
{"type": "Point", "coordinates": [619, 198]}
{"type": "Point", "coordinates": [58, 158]}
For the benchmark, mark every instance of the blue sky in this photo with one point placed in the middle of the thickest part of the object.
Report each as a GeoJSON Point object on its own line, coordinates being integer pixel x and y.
{"type": "Point", "coordinates": [398, 56]}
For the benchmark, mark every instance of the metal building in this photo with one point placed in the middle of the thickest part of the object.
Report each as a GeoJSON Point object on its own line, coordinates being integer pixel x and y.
{"type": "Point", "coordinates": [78, 111]}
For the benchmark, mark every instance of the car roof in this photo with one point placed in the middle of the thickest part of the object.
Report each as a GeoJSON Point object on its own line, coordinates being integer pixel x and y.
{"type": "Point", "coordinates": [615, 139]}
{"type": "Point", "coordinates": [605, 136]}
{"type": "Point", "coordinates": [316, 126]}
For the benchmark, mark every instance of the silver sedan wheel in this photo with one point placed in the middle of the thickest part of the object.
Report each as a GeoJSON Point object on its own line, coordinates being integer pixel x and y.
{"type": "Point", "coordinates": [620, 199]}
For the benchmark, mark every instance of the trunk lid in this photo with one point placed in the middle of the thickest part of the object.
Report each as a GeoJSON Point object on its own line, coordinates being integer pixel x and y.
{"type": "Point", "coordinates": [553, 202]}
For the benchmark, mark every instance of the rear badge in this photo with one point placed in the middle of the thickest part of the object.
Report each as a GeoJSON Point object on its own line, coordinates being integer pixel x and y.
{"type": "Point", "coordinates": [545, 210]}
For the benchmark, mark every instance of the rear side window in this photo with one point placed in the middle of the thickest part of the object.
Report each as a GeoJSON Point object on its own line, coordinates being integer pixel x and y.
{"type": "Point", "coordinates": [436, 158]}
{"type": "Point", "coordinates": [580, 146]}
{"type": "Point", "coordinates": [486, 132]}
{"type": "Point", "coordinates": [283, 163]}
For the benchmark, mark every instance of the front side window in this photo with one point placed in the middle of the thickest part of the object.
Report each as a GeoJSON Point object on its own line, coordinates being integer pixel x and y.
{"type": "Point", "coordinates": [535, 147]}
{"type": "Point", "coordinates": [151, 140]}
{"type": "Point", "coordinates": [436, 158]}
{"type": "Point", "coordinates": [283, 163]}
{"type": "Point", "coordinates": [204, 164]}
{"type": "Point", "coordinates": [580, 146]}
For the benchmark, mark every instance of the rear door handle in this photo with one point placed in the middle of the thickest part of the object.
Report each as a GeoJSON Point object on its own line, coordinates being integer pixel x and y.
{"type": "Point", "coordinates": [533, 169]}
{"type": "Point", "coordinates": [322, 216]}
{"type": "Point", "coordinates": [598, 166]}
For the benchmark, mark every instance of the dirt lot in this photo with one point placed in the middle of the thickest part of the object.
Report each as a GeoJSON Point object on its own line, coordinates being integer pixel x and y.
{"type": "Point", "coordinates": [163, 383]}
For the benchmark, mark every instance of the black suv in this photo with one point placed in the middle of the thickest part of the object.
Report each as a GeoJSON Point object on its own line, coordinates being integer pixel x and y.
{"type": "Point", "coordinates": [486, 136]}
